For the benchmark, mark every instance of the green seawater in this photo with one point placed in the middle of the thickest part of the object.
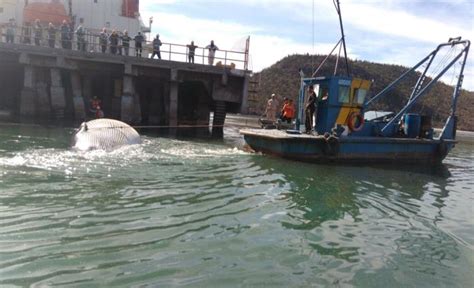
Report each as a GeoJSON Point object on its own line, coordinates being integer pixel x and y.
{"type": "Point", "coordinates": [207, 214]}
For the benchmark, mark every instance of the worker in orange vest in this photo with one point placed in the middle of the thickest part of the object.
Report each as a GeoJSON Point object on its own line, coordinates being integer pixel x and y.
{"type": "Point", "coordinates": [288, 111]}
{"type": "Point", "coordinates": [95, 107]}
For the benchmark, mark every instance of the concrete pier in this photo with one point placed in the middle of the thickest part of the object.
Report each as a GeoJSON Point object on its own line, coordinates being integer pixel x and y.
{"type": "Point", "coordinates": [28, 93]}
{"type": "Point", "coordinates": [57, 84]}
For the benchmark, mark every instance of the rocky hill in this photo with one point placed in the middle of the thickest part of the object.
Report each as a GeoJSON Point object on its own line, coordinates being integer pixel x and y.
{"type": "Point", "coordinates": [282, 78]}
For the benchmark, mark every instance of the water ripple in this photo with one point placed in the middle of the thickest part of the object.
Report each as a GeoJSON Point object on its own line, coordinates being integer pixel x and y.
{"type": "Point", "coordinates": [172, 213]}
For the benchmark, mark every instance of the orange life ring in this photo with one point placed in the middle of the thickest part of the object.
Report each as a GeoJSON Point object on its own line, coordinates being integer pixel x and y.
{"type": "Point", "coordinates": [356, 121]}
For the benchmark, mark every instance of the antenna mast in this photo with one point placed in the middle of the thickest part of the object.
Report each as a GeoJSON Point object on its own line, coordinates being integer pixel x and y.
{"type": "Point", "coordinates": [338, 9]}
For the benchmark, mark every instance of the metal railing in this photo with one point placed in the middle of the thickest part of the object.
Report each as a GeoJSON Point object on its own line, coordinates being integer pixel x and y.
{"type": "Point", "coordinates": [90, 43]}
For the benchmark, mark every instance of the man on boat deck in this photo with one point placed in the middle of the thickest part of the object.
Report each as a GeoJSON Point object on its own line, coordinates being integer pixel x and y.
{"type": "Point", "coordinates": [309, 109]}
{"type": "Point", "coordinates": [271, 110]}
{"type": "Point", "coordinates": [288, 111]}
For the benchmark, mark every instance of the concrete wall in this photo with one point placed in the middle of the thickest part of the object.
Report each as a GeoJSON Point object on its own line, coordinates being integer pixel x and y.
{"type": "Point", "coordinates": [60, 86]}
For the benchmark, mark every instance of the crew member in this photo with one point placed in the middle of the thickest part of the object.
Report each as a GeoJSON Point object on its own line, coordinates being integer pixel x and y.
{"type": "Point", "coordinates": [95, 107]}
{"type": "Point", "coordinates": [288, 112]}
{"type": "Point", "coordinates": [99, 113]}
{"type": "Point", "coordinates": [309, 109]}
{"type": "Point", "coordinates": [271, 109]}
{"type": "Point", "coordinates": [285, 101]}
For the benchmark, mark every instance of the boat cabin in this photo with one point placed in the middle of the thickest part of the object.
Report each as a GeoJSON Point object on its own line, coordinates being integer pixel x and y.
{"type": "Point", "coordinates": [340, 102]}
{"type": "Point", "coordinates": [340, 111]}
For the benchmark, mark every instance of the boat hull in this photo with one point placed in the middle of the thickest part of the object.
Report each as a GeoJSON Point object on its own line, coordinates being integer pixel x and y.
{"type": "Point", "coordinates": [347, 149]}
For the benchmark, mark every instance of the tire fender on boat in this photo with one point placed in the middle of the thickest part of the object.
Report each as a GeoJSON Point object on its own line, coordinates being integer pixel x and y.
{"type": "Point", "coordinates": [354, 118]}
{"type": "Point", "coordinates": [442, 150]}
{"type": "Point", "coordinates": [332, 145]}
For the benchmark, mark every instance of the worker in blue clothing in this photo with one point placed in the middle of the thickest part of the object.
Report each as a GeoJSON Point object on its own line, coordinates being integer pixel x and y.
{"type": "Point", "coordinates": [156, 47]}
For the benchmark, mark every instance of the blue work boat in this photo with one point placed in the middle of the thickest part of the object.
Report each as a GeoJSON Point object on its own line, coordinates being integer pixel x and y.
{"type": "Point", "coordinates": [346, 131]}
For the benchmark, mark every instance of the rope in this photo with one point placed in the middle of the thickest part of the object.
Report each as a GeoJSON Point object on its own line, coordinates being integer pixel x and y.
{"type": "Point", "coordinates": [176, 126]}
{"type": "Point", "coordinates": [121, 127]}
{"type": "Point", "coordinates": [312, 57]}
{"type": "Point", "coordinates": [442, 63]}
{"type": "Point", "coordinates": [18, 124]}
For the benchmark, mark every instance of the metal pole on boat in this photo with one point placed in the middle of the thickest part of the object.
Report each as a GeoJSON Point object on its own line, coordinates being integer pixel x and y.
{"type": "Point", "coordinates": [299, 119]}
{"type": "Point", "coordinates": [338, 9]}
{"type": "Point", "coordinates": [457, 88]}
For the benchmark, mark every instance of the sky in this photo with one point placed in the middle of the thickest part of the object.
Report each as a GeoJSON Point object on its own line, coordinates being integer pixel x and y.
{"type": "Point", "coordinates": [398, 32]}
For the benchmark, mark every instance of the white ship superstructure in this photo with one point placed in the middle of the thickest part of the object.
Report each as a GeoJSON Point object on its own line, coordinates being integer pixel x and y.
{"type": "Point", "coordinates": [92, 14]}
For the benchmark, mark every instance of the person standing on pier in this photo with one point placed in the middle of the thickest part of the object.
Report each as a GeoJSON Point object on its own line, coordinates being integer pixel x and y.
{"type": "Point", "coordinates": [11, 28]}
{"type": "Point", "coordinates": [212, 52]}
{"type": "Point", "coordinates": [309, 109]}
{"type": "Point", "coordinates": [81, 40]}
{"type": "Point", "coordinates": [192, 49]}
{"type": "Point", "coordinates": [51, 35]}
{"type": "Point", "coordinates": [26, 33]}
{"type": "Point", "coordinates": [38, 32]}
{"type": "Point", "coordinates": [120, 44]}
{"type": "Point", "coordinates": [65, 35]}
{"type": "Point", "coordinates": [156, 47]}
{"type": "Point", "coordinates": [103, 39]}
{"type": "Point", "coordinates": [114, 38]}
{"type": "Point", "coordinates": [126, 42]}
{"type": "Point", "coordinates": [138, 44]}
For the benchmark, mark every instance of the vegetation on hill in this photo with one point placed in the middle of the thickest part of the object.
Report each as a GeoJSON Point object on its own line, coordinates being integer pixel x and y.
{"type": "Point", "coordinates": [283, 79]}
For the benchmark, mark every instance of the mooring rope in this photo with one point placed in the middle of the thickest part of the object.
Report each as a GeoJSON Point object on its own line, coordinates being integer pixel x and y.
{"type": "Point", "coordinates": [115, 127]}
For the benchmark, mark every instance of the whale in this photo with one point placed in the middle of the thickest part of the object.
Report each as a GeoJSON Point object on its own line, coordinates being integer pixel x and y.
{"type": "Point", "coordinates": [105, 134]}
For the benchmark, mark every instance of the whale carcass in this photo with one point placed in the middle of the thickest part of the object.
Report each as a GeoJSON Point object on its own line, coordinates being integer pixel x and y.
{"type": "Point", "coordinates": [105, 134]}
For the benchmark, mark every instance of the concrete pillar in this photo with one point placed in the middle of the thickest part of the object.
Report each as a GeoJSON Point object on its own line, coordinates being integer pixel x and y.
{"type": "Point", "coordinates": [28, 94]}
{"type": "Point", "coordinates": [244, 107]}
{"type": "Point", "coordinates": [219, 119]}
{"type": "Point", "coordinates": [77, 98]}
{"type": "Point", "coordinates": [173, 107]}
{"type": "Point", "coordinates": [43, 107]}
{"type": "Point", "coordinates": [87, 93]}
{"type": "Point", "coordinates": [130, 108]}
{"type": "Point", "coordinates": [137, 111]}
{"type": "Point", "coordinates": [58, 95]}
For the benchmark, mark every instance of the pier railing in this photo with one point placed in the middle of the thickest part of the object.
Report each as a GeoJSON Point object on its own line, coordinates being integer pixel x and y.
{"type": "Point", "coordinates": [90, 43]}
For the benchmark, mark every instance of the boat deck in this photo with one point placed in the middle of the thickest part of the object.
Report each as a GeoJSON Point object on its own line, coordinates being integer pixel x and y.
{"type": "Point", "coordinates": [275, 134]}
{"type": "Point", "coordinates": [278, 134]}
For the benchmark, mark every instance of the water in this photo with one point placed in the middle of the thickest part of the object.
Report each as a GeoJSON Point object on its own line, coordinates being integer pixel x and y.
{"type": "Point", "coordinates": [191, 213]}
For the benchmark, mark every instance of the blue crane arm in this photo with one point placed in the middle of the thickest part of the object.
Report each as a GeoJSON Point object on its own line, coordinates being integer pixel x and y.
{"type": "Point", "coordinates": [418, 91]}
